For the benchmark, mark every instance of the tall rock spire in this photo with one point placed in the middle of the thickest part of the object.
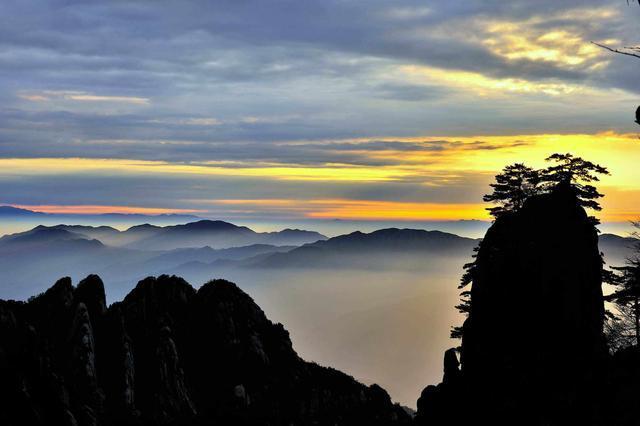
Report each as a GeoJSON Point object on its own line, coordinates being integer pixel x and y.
{"type": "Point", "coordinates": [533, 349]}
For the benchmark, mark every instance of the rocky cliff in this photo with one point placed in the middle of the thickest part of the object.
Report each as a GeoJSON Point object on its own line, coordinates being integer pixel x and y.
{"type": "Point", "coordinates": [166, 354]}
{"type": "Point", "coordinates": [533, 350]}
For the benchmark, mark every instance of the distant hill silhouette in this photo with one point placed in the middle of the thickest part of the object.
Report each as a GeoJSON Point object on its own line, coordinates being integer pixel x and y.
{"type": "Point", "coordinates": [27, 258]}
{"type": "Point", "coordinates": [616, 249]}
{"type": "Point", "coordinates": [385, 249]}
{"type": "Point", "coordinates": [533, 348]}
{"type": "Point", "coordinates": [167, 355]}
{"type": "Point", "coordinates": [342, 250]}
{"type": "Point", "coordinates": [220, 234]}
{"type": "Point", "coordinates": [40, 235]}
{"type": "Point", "coordinates": [212, 233]}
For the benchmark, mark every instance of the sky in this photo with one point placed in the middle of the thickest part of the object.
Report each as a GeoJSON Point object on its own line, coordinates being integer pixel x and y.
{"type": "Point", "coordinates": [288, 110]}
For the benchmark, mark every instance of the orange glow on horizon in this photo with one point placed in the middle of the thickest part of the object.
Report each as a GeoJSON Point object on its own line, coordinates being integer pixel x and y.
{"type": "Point", "coordinates": [391, 210]}
{"type": "Point", "coordinates": [464, 163]}
{"type": "Point", "coordinates": [364, 209]}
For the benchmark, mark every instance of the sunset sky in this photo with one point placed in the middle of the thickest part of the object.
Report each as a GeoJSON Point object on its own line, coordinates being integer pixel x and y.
{"type": "Point", "coordinates": [333, 109]}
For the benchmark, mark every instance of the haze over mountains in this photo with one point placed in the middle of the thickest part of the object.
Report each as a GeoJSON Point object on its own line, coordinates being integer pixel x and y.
{"type": "Point", "coordinates": [74, 250]}
{"type": "Point", "coordinates": [339, 297]}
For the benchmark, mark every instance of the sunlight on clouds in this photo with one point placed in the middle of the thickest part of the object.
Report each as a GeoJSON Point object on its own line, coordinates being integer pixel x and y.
{"type": "Point", "coordinates": [361, 209]}
{"type": "Point", "coordinates": [78, 96]}
{"type": "Point", "coordinates": [616, 151]}
{"type": "Point", "coordinates": [485, 86]}
{"type": "Point", "coordinates": [437, 162]}
{"type": "Point", "coordinates": [381, 210]}
{"type": "Point", "coordinates": [561, 47]}
{"type": "Point", "coordinates": [424, 159]}
{"type": "Point", "coordinates": [566, 45]}
{"type": "Point", "coordinates": [331, 172]}
{"type": "Point", "coordinates": [562, 41]}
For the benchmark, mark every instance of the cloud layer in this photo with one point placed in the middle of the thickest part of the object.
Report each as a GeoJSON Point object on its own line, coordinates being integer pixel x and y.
{"type": "Point", "coordinates": [290, 100]}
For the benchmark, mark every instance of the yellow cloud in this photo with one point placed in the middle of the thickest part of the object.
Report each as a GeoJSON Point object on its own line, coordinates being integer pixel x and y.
{"type": "Point", "coordinates": [361, 209]}
{"type": "Point", "coordinates": [465, 162]}
{"type": "Point", "coordinates": [329, 172]}
{"type": "Point", "coordinates": [561, 47]}
{"type": "Point", "coordinates": [484, 85]}
{"type": "Point", "coordinates": [565, 46]}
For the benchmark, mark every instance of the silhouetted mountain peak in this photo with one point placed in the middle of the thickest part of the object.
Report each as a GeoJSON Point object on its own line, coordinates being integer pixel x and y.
{"type": "Point", "coordinates": [210, 225]}
{"type": "Point", "coordinates": [81, 228]}
{"type": "Point", "coordinates": [143, 227]}
{"type": "Point", "coordinates": [533, 341]}
{"type": "Point", "coordinates": [406, 237]}
{"type": "Point", "coordinates": [60, 293]}
{"type": "Point", "coordinates": [43, 235]}
{"type": "Point", "coordinates": [90, 291]}
{"type": "Point", "coordinates": [167, 354]}
{"type": "Point", "coordinates": [160, 294]}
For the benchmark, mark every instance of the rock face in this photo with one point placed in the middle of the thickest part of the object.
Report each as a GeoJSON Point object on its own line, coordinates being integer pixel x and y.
{"type": "Point", "coordinates": [167, 354]}
{"type": "Point", "coordinates": [533, 350]}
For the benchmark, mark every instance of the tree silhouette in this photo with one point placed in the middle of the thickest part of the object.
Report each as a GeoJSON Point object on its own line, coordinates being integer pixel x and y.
{"type": "Point", "coordinates": [513, 186]}
{"type": "Point", "coordinates": [633, 51]}
{"type": "Point", "coordinates": [464, 307]}
{"type": "Point", "coordinates": [577, 173]}
{"type": "Point", "coordinates": [626, 297]}
{"type": "Point", "coordinates": [627, 300]}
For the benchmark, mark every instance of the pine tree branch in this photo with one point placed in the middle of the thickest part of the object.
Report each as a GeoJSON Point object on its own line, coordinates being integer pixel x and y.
{"type": "Point", "coordinates": [618, 51]}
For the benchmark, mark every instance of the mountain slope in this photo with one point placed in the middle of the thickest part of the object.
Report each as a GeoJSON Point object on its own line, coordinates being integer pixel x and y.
{"type": "Point", "coordinates": [167, 354]}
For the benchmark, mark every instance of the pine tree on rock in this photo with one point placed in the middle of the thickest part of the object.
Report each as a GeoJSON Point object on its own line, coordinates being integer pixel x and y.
{"type": "Point", "coordinates": [513, 186]}
{"type": "Point", "coordinates": [577, 173]}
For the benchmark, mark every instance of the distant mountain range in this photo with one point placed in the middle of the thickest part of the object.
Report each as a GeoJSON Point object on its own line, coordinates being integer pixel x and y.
{"type": "Point", "coordinates": [382, 250]}
{"type": "Point", "coordinates": [340, 251]}
{"type": "Point", "coordinates": [203, 233]}
{"type": "Point", "coordinates": [26, 258]}
{"type": "Point", "coordinates": [217, 234]}
{"type": "Point", "coordinates": [204, 249]}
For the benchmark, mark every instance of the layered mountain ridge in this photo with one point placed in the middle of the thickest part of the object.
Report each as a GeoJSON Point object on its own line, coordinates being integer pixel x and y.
{"type": "Point", "coordinates": [212, 233]}
{"type": "Point", "coordinates": [167, 354]}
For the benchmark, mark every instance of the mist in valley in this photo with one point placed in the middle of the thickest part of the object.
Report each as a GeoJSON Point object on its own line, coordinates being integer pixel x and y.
{"type": "Point", "coordinates": [378, 306]}
{"type": "Point", "coordinates": [387, 327]}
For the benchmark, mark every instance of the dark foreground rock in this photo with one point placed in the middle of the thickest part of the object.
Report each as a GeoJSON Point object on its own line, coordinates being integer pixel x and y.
{"type": "Point", "coordinates": [533, 350]}
{"type": "Point", "coordinates": [167, 355]}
